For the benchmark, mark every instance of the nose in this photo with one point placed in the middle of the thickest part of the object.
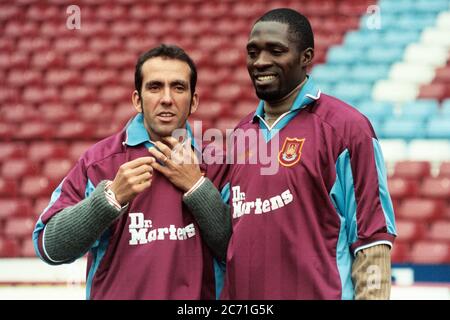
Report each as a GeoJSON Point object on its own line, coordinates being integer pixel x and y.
{"type": "Point", "coordinates": [166, 99]}
{"type": "Point", "coordinates": [262, 60]}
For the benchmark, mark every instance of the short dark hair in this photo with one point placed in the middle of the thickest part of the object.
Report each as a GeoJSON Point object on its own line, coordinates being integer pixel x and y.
{"type": "Point", "coordinates": [299, 26]}
{"type": "Point", "coordinates": [165, 51]}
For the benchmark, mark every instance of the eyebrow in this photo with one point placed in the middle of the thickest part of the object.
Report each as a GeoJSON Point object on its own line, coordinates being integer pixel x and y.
{"type": "Point", "coordinates": [269, 44]}
{"type": "Point", "coordinates": [172, 83]}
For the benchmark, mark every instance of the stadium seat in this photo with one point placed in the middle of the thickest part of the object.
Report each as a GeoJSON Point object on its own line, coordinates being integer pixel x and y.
{"type": "Point", "coordinates": [8, 188]}
{"type": "Point", "coordinates": [77, 148]}
{"type": "Point", "coordinates": [103, 130]}
{"type": "Point", "coordinates": [414, 170]}
{"type": "Point", "coordinates": [35, 131]}
{"type": "Point", "coordinates": [27, 249]}
{"type": "Point", "coordinates": [226, 123]}
{"type": "Point", "coordinates": [18, 112]}
{"type": "Point", "coordinates": [124, 112]}
{"type": "Point", "coordinates": [420, 109]}
{"type": "Point", "coordinates": [46, 59]}
{"type": "Point", "coordinates": [114, 94]}
{"type": "Point", "coordinates": [376, 110]}
{"type": "Point", "coordinates": [99, 77]}
{"type": "Point", "coordinates": [56, 169]}
{"type": "Point", "coordinates": [400, 188]}
{"type": "Point", "coordinates": [430, 252]}
{"type": "Point", "coordinates": [437, 91]}
{"type": "Point", "coordinates": [62, 77]}
{"type": "Point", "coordinates": [65, 45]}
{"type": "Point", "coordinates": [410, 230]}
{"type": "Point", "coordinates": [438, 128]}
{"type": "Point", "coordinates": [430, 55]}
{"type": "Point", "coordinates": [40, 205]}
{"type": "Point", "coordinates": [95, 112]}
{"type": "Point", "coordinates": [439, 231]}
{"type": "Point", "coordinates": [18, 168]}
{"type": "Point", "coordinates": [120, 59]}
{"type": "Point", "coordinates": [394, 90]}
{"type": "Point", "coordinates": [438, 188]}
{"type": "Point", "coordinates": [9, 248]}
{"type": "Point", "coordinates": [434, 150]}
{"type": "Point", "coordinates": [56, 112]}
{"type": "Point", "coordinates": [39, 151]}
{"type": "Point", "coordinates": [37, 186]}
{"type": "Point", "coordinates": [410, 72]}
{"type": "Point", "coordinates": [210, 110]}
{"type": "Point", "coordinates": [420, 209]}
{"type": "Point", "coordinates": [442, 74]}
{"type": "Point", "coordinates": [15, 207]}
{"type": "Point", "coordinates": [400, 252]}
{"type": "Point", "coordinates": [20, 78]}
{"type": "Point", "coordinates": [243, 108]}
{"type": "Point", "coordinates": [19, 227]}
{"type": "Point", "coordinates": [444, 169]}
{"type": "Point", "coordinates": [12, 150]}
{"type": "Point", "coordinates": [74, 130]}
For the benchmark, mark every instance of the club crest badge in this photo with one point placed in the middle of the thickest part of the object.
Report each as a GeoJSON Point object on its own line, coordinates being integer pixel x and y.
{"type": "Point", "coordinates": [291, 152]}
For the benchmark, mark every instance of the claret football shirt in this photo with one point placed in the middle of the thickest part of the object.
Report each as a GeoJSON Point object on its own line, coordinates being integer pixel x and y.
{"type": "Point", "coordinates": [297, 229]}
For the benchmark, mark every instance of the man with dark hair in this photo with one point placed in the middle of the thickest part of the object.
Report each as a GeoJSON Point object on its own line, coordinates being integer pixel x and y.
{"type": "Point", "coordinates": [323, 225]}
{"type": "Point", "coordinates": [142, 241]}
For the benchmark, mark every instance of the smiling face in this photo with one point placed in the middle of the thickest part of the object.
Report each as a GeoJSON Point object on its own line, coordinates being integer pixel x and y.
{"type": "Point", "coordinates": [165, 99]}
{"type": "Point", "coordinates": [273, 60]}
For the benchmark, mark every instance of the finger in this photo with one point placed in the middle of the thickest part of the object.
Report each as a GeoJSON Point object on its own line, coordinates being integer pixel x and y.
{"type": "Point", "coordinates": [163, 148]}
{"type": "Point", "coordinates": [141, 178]}
{"type": "Point", "coordinates": [171, 141]}
{"type": "Point", "coordinates": [158, 155]}
{"type": "Point", "coordinates": [139, 161]}
{"type": "Point", "coordinates": [160, 168]}
{"type": "Point", "coordinates": [141, 169]}
{"type": "Point", "coordinates": [142, 186]}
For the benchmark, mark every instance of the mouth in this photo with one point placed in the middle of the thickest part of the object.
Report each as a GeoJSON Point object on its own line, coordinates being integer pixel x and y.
{"type": "Point", "coordinates": [166, 116]}
{"type": "Point", "coordinates": [265, 79]}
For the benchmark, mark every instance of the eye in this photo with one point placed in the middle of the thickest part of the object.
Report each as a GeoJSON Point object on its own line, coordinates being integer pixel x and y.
{"type": "Point", "coordinates": [252, 53]}
{"type": "Point", "coordinates": [277, 52]}
{"type": "Point", "coordinates": [179, 89]}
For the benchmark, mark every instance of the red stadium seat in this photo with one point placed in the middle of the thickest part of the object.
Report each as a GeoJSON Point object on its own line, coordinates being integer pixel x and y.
{"type": "Point", "coordinates": [8, 187]}
{"type": "Point", "coordinates": [226, 123]}
{"type": "Point", "coordinates": [57, 112]}
{"type": "Point", "coordinates": [229, 58]}
{"type": "Point", "coordinates": [9, 248]}
{"type": "Point", "coordinates": [430, 252]}
{"type": "Point", "coordinates": [18, 112]}
{"type": "Point", "coordinates": [37, 186]}
{"type": "Point", "coordinates": [440, 231]}
{"type": "Point", "coordinates": [8, 94]}
{"type": "Point", "coordinates": [18, 168]}
{"type": "Point", "coordinates": [442, 74]}
{"type": "Point", "coordinates": [400, 252]}
{"type": "Point", "coordinates": [444, 170]}
{"type": "Point", "coordinates": [103, 130]}
{"type": "Point", "coordinates": [438, 91]}
{"type": "Point", "coordinates": [244, 107]}
{"type": "Point", "coordinates": [19, 227]}
{"type": "Point", "coordinates": [74, 130]}
{"type": "Point", "coordinates": [15, 60]}
{"type": "Point", "coordinates": [31, 44]}
{"type": "Point", "coordinates": [40, 205]}
{"type": "Point", "coordinates": [20, 78]}
{"type": "Point", "coordinates": [212, 76]}
{"type": "Point", "coordinates": [27, 248]}
{"type": "Point", "coordinates": [114, 94]}
{"type": "Point", "coordinates": [95, 112]}
{"type": "Point", "coordinates": [105, 44]}
{"type": "Point", "coordinates": [39, 151]}
{"type": "Point", "coordinates": [78, 94]}
{"type": "Point", "coordinates": [40, 95]}
{"type": "Point", "coordinates": [410, 230]}
{"type": "Point", "coordinates": [12, 150]}
{"type": "Point", "coordinates": [15, 207]}
{"type": "Point", "coordinates": [57, 169]}
{"type": "Point", "coordinates": [22, 29]}
{"type": "Point", "coordinates": [420, 209]}
{"type": "Point", "coordinates": [35, 131]}
{"type": "Point", "coordinates": [124, 112]}
{"type": "Point", "coordinates": [415, 170]}
{"type": "Point", "coordinates": [438, 188]}
{"type": "Point", "coordinates": [6, 131]}
{"type": "Point", "coordinates": [210, 110]}
{"type": "Point", "coordinates": [45, 60]}
{"type": "Point", "coordinates": [230, 93]}
{"type": "Point", "coordinates": [400, 188]}
{"type": "Point", "coordinates": [69, 44]}
{"type": "Point", "coordinates": [62, 77]}
{"type": "Point", "coordinates": [99, 77]}
{"type": "Point", "coordinates": [83, 60]}
{"type": "Point", "coordinates": [120, 59]}
{"type": "Point", "coordinates": [78, 148]}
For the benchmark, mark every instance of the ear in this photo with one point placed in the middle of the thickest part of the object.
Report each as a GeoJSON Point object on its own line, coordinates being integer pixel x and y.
{"type": "Point", "coordinates": [194, 103]}
{"type": "Point", "coordinates": [307, 56]}
{"type": "Point", "coordinates": [137, 103]}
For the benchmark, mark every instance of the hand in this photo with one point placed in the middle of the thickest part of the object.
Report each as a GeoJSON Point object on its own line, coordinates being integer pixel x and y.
{"type": "Point", "coordinates": [180, 163]}
{"type": "Point", "coordinates": [132, 178]}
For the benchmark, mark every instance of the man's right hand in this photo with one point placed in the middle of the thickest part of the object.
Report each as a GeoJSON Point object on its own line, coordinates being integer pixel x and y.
{"type": "Point", "coordinates": [131, 179]}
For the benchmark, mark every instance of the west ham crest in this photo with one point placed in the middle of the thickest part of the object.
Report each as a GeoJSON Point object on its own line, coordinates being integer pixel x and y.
{"type": "Point", "coordinates": [291, 152]}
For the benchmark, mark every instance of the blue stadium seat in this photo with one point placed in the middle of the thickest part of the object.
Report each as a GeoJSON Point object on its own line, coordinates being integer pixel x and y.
{"type": "Point", "coordinates": [396, 128]}
{"type": "Point", "coordinates": [343, 55]}
{"type": "Point", "coordinates": [384, 55]}
{"type": "Point", "coordinates": [420, 109]}
{"type": "Point", "coordinates": [376, 111]}
{"type": "Point", "coordinates": [369, 73]}
{"type": "Point", "coordinates": [325, 73]}
{"type": "Point", "coordinates": [438, 128]}
{"type": "Point", "coordinates": [362, 38]}
{"type": "Point", "coordinates": [352, 92]}
{"type": "Point", "coordinates": [399, 38]}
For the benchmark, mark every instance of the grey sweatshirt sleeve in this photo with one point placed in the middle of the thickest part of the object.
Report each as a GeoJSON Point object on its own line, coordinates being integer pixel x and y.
{"type": "Point", "coordinates": [212, 216]}
{"type": "Point", "coordinates": [71, 232]}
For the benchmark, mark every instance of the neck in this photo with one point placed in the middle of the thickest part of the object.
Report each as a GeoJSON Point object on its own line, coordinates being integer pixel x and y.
{"type": "Point", "coordinates": [274, 109]}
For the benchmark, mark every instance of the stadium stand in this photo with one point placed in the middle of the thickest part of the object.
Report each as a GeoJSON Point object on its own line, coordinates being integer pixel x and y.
{"type": "Point", "coordinates": [61, 90]}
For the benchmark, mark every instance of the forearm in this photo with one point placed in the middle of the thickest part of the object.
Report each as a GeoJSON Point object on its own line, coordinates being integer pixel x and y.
{"type": "Point", "coordinates": [73, 231]}
{"type": "Point", "coordinates": [371, 273]}
{"type": "Point", "coordinates": [212, 216]}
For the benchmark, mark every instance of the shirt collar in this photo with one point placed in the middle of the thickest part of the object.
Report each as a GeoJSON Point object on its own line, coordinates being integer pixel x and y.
{"type": "Point", "coordinates": [136, 133]}
{"type": "Point", "coordinates": [309, 93]}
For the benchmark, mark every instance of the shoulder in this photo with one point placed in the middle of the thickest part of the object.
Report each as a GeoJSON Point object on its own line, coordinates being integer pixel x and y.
{"type": "Point", "coordinates": [345, 120]}
{"type": "Point", "coordinates": [104, 149]}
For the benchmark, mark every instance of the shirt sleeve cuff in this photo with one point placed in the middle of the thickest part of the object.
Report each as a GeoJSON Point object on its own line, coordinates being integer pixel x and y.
{"type": "Point", "coordinates": [195, 186]}
{"type": "Point", "coordinates": [379, 238]}
{"type": "Point", "coordinates": [110, 196]}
